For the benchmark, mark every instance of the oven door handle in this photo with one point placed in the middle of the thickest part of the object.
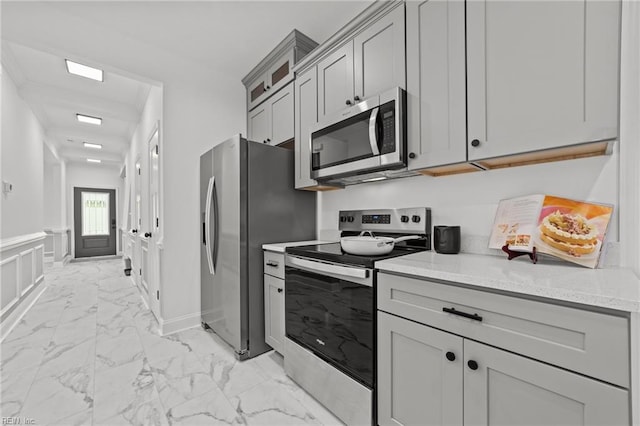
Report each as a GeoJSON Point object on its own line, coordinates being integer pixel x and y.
{"type": "Point", "coordinates": [322, 267]}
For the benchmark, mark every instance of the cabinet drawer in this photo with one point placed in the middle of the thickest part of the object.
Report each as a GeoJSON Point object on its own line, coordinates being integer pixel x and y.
{"type": "Point", "coordinates": [591, 343]}
{"type": "Point", "coordinates": [274, 264]}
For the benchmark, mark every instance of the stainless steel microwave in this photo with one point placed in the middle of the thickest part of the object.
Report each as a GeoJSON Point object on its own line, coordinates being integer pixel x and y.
{"type": "Point", "coordinates": [367, 137]}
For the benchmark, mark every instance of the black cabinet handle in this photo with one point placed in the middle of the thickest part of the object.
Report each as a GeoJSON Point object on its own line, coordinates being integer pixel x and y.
{"type": "Point", "coordinates": [453, 311]}
{"type": "Point", "coordinates": [279, 290]}
{"type": "Point", "coordinates": [475, 143]}
{"type": "Point", "coordinates": [356, 98]}
{"type": "Point", "coordinates": [472, 364]}
{"type": "Point", "coordinates": [348, 102]}
{"type": "Point", "coordinates": [412, 155]}
{"type": "Point", "coordinates": [147, 234]}
{"type": "Point", "coordinates": [268, 87]}
{"type": "Point", "coordinates": [204, 232]}
{"type": "Point", "coordinates": [273, 264]}
{"type": "Point", "coordinates": [268, 140]}
{"type": "Point", "coordinates": [451, 356]}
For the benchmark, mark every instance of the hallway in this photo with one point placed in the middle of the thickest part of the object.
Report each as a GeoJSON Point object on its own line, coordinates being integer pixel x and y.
{"type": "Point", "coordinates": [88, 352]}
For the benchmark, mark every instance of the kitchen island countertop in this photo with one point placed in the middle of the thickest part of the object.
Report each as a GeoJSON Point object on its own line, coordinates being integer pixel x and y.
{"type": "Point", "coordinates": [611, 288]}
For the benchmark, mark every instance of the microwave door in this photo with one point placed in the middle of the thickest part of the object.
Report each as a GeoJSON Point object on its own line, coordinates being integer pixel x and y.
{"type": "Point", "coordinates": [373, 132]}
{"type": "Point", "coordinates": [345, 146]}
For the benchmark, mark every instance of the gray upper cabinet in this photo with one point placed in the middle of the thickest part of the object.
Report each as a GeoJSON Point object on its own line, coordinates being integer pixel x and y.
{"type": "Point", "coordinates": [379, 55]}
{"type": "Point", "coordinates": [270, 91]}
{"type": "Point", "coordinates": [306, 115]}
{"type": "Point", "coordinates": [541, 74]}
{"type": "Point", "coordinates": [335, 81]}
{"type": "Point", "coordinates": [370, 62]}
{"type": "Point", "coordinates": [436, 98]}
{"type": "Point", "coordinates": [258, 128]}
{"type": "Point", "coordinates": [272, 121]}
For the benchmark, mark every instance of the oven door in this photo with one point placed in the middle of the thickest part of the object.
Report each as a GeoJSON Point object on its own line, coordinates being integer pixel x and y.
{"type": "Point", "coordinates": [369, 136]}
{"type": "Point", "coordinates": [330, 311]}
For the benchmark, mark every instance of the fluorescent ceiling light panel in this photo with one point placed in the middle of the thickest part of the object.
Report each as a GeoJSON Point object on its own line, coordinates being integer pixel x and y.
{"type": "Point", "coordinates": [88, 119]}
{"type": "Point", "coordinates": [92, 160]}
{"type": "Point", "coordinates": [374, 179]}
{"type": "Point", "coordinates": [92, 145]}
{"type": "Point", "coordinates": [84, 71]}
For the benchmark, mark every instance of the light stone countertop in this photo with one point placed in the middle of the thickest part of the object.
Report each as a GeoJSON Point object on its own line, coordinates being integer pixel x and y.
{"type": "Point", "coordinates": [613, 288]}
{"type": "Point", "coordinates": [280, 247]}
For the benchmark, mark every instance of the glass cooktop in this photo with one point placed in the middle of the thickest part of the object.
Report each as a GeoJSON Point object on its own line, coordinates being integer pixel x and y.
{"type": "Point", "coordinates": [332, 252]}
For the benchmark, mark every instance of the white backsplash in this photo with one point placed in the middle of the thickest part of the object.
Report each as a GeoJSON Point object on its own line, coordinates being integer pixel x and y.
{"type": "Point", "coordinates": [470, 200]}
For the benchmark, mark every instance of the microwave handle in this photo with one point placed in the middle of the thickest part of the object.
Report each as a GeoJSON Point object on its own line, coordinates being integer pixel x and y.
{"type": "Point", "coordinates": [373, 134]}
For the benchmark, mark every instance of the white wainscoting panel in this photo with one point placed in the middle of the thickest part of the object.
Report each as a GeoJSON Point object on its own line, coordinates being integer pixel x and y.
{"type": "Point", "coordinates": [10, 274]}
{"type": "Point", "coordinates": [38, 264]}
{"type": "Point", "coordinates": [27, 271]}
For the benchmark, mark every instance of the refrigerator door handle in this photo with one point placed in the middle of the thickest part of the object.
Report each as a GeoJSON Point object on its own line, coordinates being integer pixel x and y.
{"type": "Point", "coordinates": [214, 196]}
{"type": "Point", "coordinates": [207, 221]}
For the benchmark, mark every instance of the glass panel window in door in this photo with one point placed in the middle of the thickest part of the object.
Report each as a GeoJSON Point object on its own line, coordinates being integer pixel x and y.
{"type": "Point", "coordinates": [95, 213]}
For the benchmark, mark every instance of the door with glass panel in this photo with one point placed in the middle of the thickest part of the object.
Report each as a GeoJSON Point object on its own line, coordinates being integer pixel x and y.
{"type": "Point", "coordinates": [94, 222]}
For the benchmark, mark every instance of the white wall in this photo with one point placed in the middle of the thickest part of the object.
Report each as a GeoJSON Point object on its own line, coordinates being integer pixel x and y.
{"type": "Point", "coordinates": [55, 188]}
{"type": "Point", "coordinates": [21, 152]}
{"type": "Point", "coordinates": [91, 176]}
{"type": "Point", "coordinates": [470, 200]}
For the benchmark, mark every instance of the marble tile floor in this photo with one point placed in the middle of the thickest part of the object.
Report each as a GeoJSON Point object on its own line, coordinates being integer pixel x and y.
{"type": "Point", "coordinates": [89, 353]}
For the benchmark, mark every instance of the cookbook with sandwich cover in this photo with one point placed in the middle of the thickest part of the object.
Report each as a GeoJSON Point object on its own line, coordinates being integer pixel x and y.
{"type": "Point", "coordinates": [568, 229]}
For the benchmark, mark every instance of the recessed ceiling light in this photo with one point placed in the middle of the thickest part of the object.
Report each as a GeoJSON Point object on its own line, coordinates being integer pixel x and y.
{"type": "Point", "coordinates": [92, 160]}
{"type": "Point", "coordinates": [84, 71]}
{"type": "Point", "coordinates": [92, 145]}
{"type": "Point", "coordinates": [88, 119]}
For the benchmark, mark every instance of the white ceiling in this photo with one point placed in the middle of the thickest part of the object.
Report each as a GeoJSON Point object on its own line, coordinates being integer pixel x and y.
{"type": "Point", "coordinates": [226, 37]}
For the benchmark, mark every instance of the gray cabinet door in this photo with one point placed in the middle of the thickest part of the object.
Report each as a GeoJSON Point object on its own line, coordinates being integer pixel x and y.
{"type": "Point", "coordinates": [541, 74]}
{"type": "Point", "coordinates": [508, 389]}
{"type": "Point", "coordinates": [274, 312]}
{"type": "Point", "coordinates": [335, 81]}
{"type": "Point", "coordinates": [259, 130]}
{"type": "Point", "coordinates": [306, 115]}
{"type": "Point", "coordinates": [379, 55]}
{"type": "Point", "coordinates": [436, 98]}
{"type": "Point", "coordinates": [417, 384]}
{"type": "Point", "coordinates": [281, 116]}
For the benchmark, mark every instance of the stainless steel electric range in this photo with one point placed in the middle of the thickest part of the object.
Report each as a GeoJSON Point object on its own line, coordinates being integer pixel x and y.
{"type": "Point", "coordinates": [330, 305]}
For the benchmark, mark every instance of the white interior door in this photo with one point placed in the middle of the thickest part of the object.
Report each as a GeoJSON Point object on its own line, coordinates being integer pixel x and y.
{"type": "Point", "coordinates": [153, 266]}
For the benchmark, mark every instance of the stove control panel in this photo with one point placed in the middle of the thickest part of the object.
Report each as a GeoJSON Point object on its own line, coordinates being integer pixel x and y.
{"type": "Point", "coordinates": [410, 220]}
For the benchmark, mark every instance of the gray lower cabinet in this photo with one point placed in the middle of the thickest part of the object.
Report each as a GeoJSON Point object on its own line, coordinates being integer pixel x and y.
{"type": "Point", "coordinates": [274, 331]}
{"type": "Point", "coordinates": [428, 376]}
{"type": "Point", "coordinates": [453, 355]}
{"type": "Point", "coordinates": [507, 389]}
{"type": "Point", "coordinates": [417, 384]}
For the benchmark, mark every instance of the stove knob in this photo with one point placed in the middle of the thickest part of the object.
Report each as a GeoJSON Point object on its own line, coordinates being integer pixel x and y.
{"type": "Point", "coordinates": [350, 219]}
{"type": "Point", "coordinates": [415, 218]}
{"type": "Point", "coordinates": [404, 219]}
{"type": "Point", "coordinates": [343, 219]}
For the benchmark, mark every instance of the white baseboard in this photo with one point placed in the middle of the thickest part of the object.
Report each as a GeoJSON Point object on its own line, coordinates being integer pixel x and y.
{"type": "Point", "coordinates": [178, 324]}
{"type": "Point", "coordinates": [22, 308]}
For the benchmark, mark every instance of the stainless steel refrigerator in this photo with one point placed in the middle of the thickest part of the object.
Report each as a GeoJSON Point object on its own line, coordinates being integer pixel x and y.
{"type": "Point", "coordinates": [247, 198]}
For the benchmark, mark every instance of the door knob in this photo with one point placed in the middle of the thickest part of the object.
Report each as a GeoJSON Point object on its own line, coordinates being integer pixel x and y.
{"type": "Point", "coordinates": [147, 234]}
